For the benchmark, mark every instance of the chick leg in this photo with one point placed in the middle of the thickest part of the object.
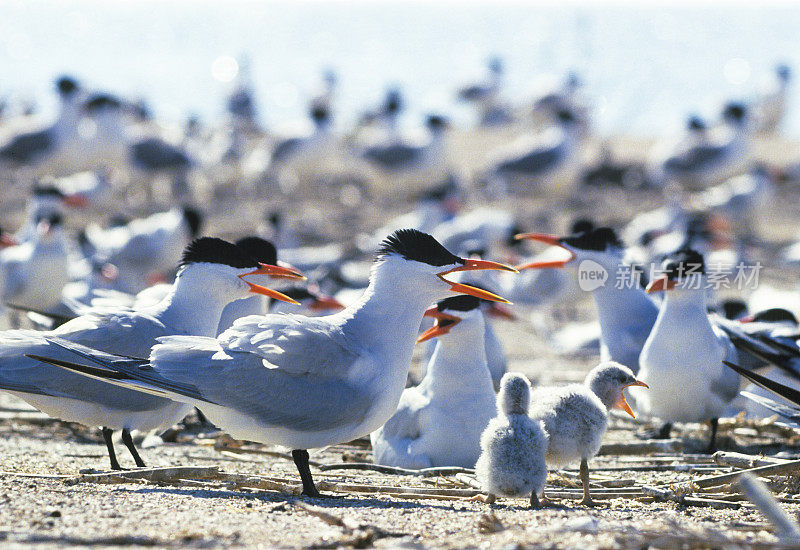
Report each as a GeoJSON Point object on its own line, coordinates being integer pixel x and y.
{"type": "Point", "coordinates": [587, 498]}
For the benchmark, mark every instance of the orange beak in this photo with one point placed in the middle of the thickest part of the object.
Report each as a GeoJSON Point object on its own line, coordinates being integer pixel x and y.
{"type": "Point", "coordinates": [323, 302]}
{"type": "Point", "coordinates": [500, 311]}
{"type": "Point", "coordinates": [547, 239]}
{"type": "Point", "coordinates": [277, 272]}
{"type": "Point", "coordinates": [76, 201]}
{"type": "Point", "coordinates": [7, 240]}
{"type": "Point", "coordinates": [290, 273]}
{"type": "Point", "coordinates": [659, 284]}
{"type": "Point", "coordinates": [622, 403]}
{"type": "Point", "coordinates": [474, 265]}
{"type": "Point", "coordinates": [444, 322]}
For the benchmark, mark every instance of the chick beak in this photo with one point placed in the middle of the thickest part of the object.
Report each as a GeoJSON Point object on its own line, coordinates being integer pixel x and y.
{"type": "Point", "coordinates": [444, 322]}
{"type": "Point", "coordinates": [622, 403]}
{"type": "Point", "coordinates": [277, 272]}
{"type": "Point", "coordinates": [472, 264]}
{"type": "Point", "coordinates": [547, 239]}
{"type": "Point", "coordinates": [660, 283]}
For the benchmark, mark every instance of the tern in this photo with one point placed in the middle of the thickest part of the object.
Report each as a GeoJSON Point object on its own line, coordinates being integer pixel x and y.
{"type": "Point", "coordinates": [144, 249]}
{"type": "Point", "coordinates": [190, 308]}
{"type": "Point", "coordinates": [440, 421]}
{"type": "Point", "coordinates": [575, 417]}
{"type": "Point", "coordinates": [682, 358]}
{"type": "Point", "coordinates": [304, 382]}
{"type": "Point", "coordinates": [626, 313]}
{"type": "Point", "coordinates": [33, 273]}
{"type": "Point", "coordinates": [513, 445]}
{"type": "Point", "coordinates": [547, 162]}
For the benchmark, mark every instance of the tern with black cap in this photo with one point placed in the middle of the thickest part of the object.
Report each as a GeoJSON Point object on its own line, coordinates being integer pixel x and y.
{"type": "Point", "coordinates": [213, 272]}
{"type": "Point", "coordinates": [327, 379]}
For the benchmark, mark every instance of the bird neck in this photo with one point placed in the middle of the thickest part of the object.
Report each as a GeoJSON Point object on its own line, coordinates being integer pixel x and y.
{"type": "Point", "coordinates": [188, 309]}
{"type": "Point", "coordinates": [386, 319]}
{"type": "Point", "coordinates": [684, 314]}
{"type": "Point", "coordinates": [622, 304]}
{"type": "Point", "coordinates": [458, 364]}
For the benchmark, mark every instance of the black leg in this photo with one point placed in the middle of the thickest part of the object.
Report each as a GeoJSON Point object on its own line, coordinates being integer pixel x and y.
{"type": "Point", "coordinates": [665, 431]}
{"type": "Point", "coordinates": [712, 445]}
{"type": "Point", "coordinates": [126, 439]}
{"type": "Point", "coordinates": [112, 456]}
{"type": "Point", "coordinates": [300, 457]}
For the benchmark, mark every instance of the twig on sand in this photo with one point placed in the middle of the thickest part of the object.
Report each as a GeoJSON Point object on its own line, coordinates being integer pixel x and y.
{"type": "Point", "coordinates": [357, 535]}
{"type": "Point", "coordinates": [648, 446]}
{"type": "Point", "coordinates": [155, 475]}
{"type": "Point", "coordinates": [681, 498]}
{"type": "Point", "coordinates": [424, 472]}
{"type": "Point", "coordinates": [740, 460]}
{"type": "Point", "coordinates": [230, 451]}
{"type": "Point", "coordinates": [760, 495]}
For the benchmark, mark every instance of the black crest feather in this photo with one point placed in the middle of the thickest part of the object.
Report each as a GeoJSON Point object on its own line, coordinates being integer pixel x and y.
{"type": "Point", "coordinates": [462, 302]}
{"type": "Point", "coordinates": [47, 190]}
{"type": "Point", "coordinates": [216, 251]}
{"type": "Point", "coordinates": [684, 262]}
{"type": "Point", "coordinates": [417, 246]}
{"type": "Point", "coordinates": [194, 219]}
{"type": "Point", "coordinates": [598, 238]}
{"type": "Point", "coordinates": [102, 101]}
{"type": "Point", "coordinates": [259, 249]}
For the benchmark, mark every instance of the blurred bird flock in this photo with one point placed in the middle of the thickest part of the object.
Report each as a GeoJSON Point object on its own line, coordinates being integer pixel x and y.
{"type": "Point", "coordinates": [580, 143]}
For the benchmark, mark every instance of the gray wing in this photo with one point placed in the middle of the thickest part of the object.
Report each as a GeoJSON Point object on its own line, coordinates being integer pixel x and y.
{"type": "Point", "coordinates": [533, 162]}
{"type": "Point", "coordinates": [392, 157]}
{"type": "Point", "coordinates": [157, 154]}
{"type": "Point", "coordinates": [786, 411]}
{"type": "Point", "coordinates": [285, 148]}
{"type": "Point", "coordinates": [25, 148]}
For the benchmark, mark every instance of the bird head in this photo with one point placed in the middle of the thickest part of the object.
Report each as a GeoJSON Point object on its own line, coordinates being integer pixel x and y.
{"type": "Point", "coordinates": [211, 263]}
{"type": "Point", "coordinates": [424, 265]}
{"type": "Point", "coordinates": [608, 380]}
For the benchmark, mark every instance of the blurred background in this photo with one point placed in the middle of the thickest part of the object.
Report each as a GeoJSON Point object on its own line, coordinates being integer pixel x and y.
{"type": "Point", "coordinates": [644, 67]}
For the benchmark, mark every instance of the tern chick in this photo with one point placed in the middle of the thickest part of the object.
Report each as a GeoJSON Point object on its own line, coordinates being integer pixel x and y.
{"type": "Point", "coordinates": [513, 445]}
{"type": "Point", "coordinates": [576, 416]}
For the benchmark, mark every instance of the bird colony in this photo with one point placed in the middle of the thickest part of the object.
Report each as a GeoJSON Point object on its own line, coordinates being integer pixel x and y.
{"type": "Point", "coordinates": [515, 331]}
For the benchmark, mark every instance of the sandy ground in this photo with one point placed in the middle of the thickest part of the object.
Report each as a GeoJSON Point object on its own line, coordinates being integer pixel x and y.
{"type": "Point", "coordinates": [41, 503]}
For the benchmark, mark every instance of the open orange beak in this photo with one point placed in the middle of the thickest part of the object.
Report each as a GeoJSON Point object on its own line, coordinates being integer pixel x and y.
{"type": "Point", "coordinates": [7, 240]}
{"type": "Point", "coordinates": [323, 302]}
{"type": "Point", "coordinates": [661, 283]}
{"type": "Point", "coordinates": [547, 239]}
{"type": "Point", "coordinates": [277, 272]}
{"type": "Point", "coordinates": [444, 322]}
{"type": "Point", "coordinates": [622, 403]}
{"type": "Point", "coordinates": [501, 312]}
{"type": "Point", "coordinates": [290, 273]}
{"type": "Point", "coordinates": [471, 264]}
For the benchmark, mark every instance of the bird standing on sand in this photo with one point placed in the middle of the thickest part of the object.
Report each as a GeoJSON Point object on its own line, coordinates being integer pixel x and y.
{"type": "Point", "coordinates": [513, 445]}
{"type": "Point", "coordinates": [575, 417]}
{"type": "Point", "coordinates": [189, 308]}
{"type": "Point", "coordinates": [440, 421]}
{"type": "Point", "coordinates": [304, 382]}
{"type": "Point", "coordinates": [682, 358]}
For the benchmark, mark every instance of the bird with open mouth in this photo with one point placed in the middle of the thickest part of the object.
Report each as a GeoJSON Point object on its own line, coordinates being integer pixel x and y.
{"type": "Point", "coordinates": [303, 382]}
